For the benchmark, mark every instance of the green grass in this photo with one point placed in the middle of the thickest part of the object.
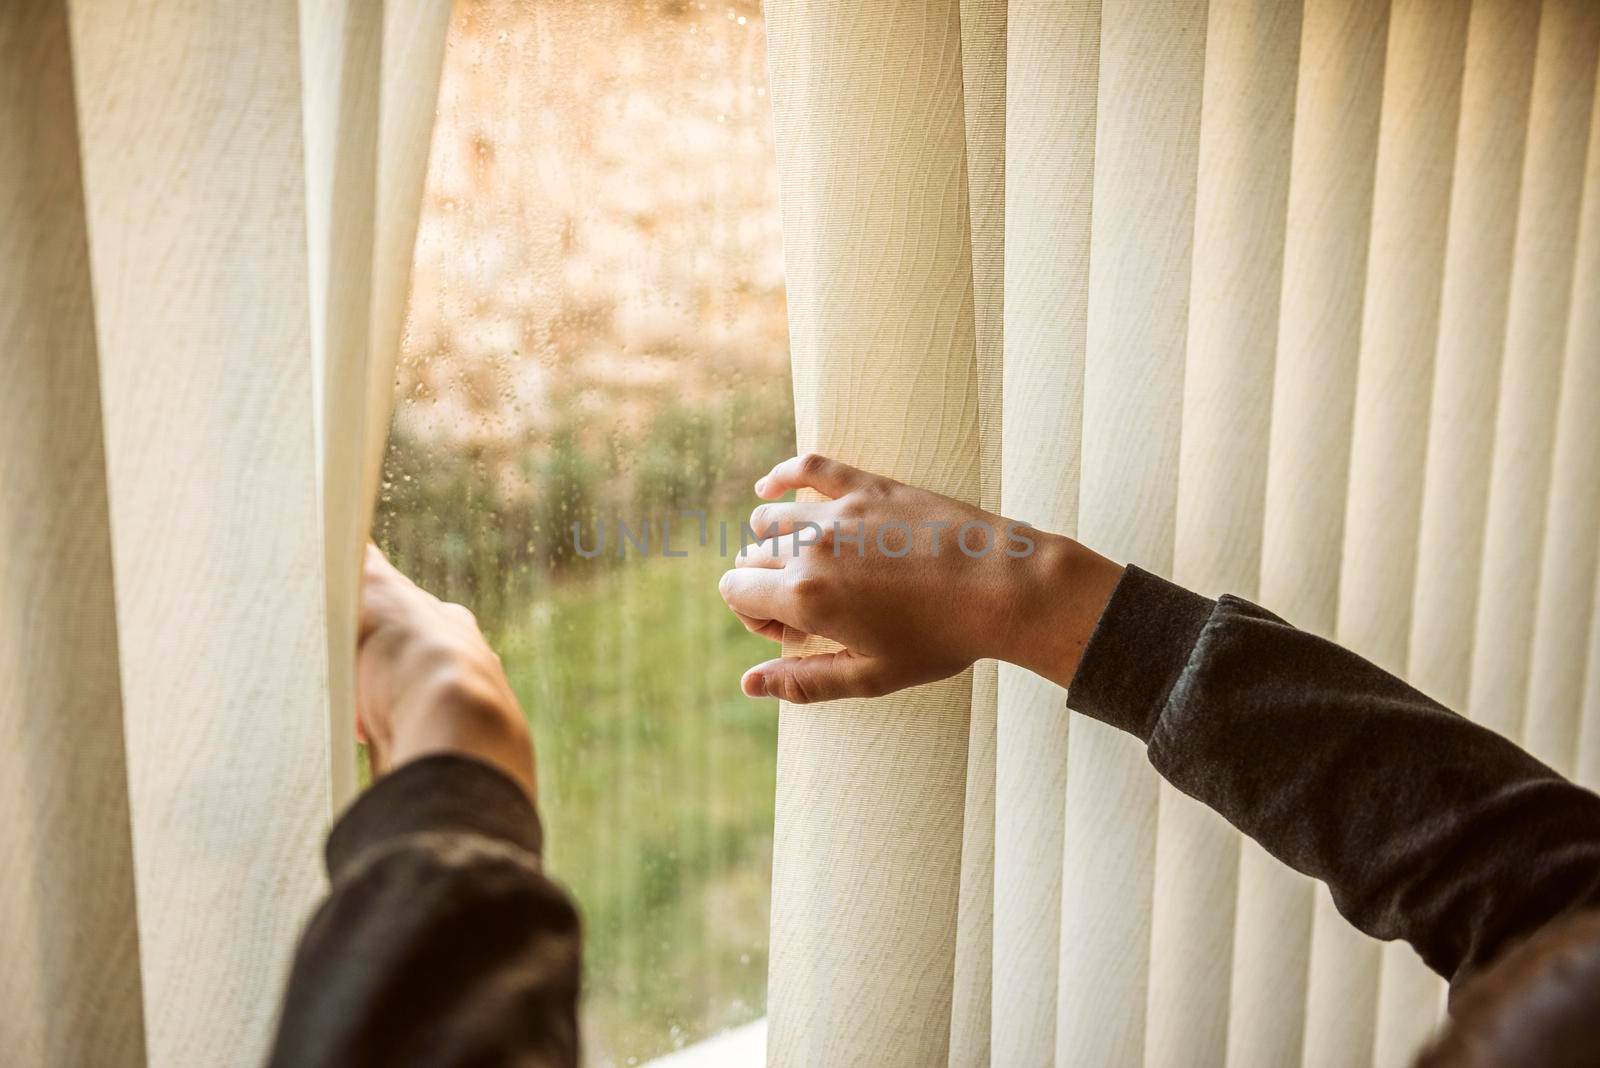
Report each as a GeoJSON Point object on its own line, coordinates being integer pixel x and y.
{"type": "Point", "coordinates": [656, 776]}
{"type": "Point", "coordinates": [656, 781]}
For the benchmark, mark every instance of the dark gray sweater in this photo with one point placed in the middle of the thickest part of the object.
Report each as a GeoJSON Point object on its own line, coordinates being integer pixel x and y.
{"type": "Point", "coordinates": [442, 943]}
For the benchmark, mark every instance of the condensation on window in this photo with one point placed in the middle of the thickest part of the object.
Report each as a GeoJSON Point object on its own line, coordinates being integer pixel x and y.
{"type": "Point", "coordinates": [597, 334]}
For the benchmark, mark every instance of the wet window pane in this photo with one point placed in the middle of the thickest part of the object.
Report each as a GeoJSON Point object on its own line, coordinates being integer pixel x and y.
{"type": "Point", "coordinates": [597, 334]}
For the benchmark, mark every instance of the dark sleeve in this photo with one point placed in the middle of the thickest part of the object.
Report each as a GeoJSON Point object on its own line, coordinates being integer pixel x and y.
{"type": "Point", "coordinates": [441, 941]}
{"type": "Point", "coordinates": [1424, 825]}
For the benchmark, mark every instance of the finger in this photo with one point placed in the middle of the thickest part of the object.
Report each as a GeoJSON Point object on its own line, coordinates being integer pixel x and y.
{"type": "Point", "coordinates": [759, 593]}
{"type": "Point", "coordinates": [377, 605]}
{"type": "Point", "coordinates": [382, 588]}
{"type": "Point", "coordinates": [809, 518]}
{"type": "Point", "coordinates": [769, 629]}
{"type": "Point", "coordinates": [827, 476]}
{"type": "Point", "coordinates": [805, 680]}
{"type": "Point", "coordinates": [774, 552]}
{"type": "Point", "coordinates": [461, 614]}
{"type": "Point", "coordinates": [376, 565]}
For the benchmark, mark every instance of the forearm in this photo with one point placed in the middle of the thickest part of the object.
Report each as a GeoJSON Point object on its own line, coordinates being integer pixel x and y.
{"type": "Point", "coordinates": [441, 941]}
{"type": "Point", "coordinates": [1424, 825]}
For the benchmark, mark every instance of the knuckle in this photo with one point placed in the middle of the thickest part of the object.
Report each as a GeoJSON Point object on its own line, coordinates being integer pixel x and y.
{"type": "Point", "coordinates": [799, 689]}
{"type": "Point", "coordinates": [813, 597]}
{"type": "Point", "coordinates": [812, 463]}
{"type": "Point", "coordinates": [809, 589]}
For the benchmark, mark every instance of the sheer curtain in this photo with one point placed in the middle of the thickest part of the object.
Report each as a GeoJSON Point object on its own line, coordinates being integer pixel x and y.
{"type": "Point", "coordinates": [1288, 300]}
{"type": "Point", "coordinates": [214, 210]}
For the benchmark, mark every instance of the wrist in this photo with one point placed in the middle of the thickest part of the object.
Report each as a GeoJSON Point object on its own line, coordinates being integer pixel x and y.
{"type": "Point", "coordinates": [458, 713]}
{"type": "Point", "coordinates": [1058, 595]}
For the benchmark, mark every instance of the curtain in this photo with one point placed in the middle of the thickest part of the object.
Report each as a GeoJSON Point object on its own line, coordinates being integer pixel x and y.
{"type": "Point", "coordinates": [1289, 300]}
{"type": "Point", "coordinates": [214, 210]}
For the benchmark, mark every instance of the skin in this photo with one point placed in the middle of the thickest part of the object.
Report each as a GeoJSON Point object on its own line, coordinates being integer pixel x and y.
{"type": "Point", "coordinates": [427, 681]}
{"type": "Point", "coordinates": [907, 608]}
{"type": "Point", "coordinates": [904, 613]}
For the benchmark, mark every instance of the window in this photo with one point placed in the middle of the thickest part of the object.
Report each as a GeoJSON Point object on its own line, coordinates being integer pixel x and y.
{"type": "Point", "coordinates": [597, 334]}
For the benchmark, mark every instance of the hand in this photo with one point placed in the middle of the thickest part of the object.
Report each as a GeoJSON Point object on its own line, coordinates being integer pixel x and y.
{"type": "Point", "coordinates": [427, 681]}
{"type": "Point", "coordinates": [914, 585]}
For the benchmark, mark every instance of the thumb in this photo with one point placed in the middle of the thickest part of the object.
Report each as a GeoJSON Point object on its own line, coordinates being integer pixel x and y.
{"type": "Point", "coordinates": [804, 680]}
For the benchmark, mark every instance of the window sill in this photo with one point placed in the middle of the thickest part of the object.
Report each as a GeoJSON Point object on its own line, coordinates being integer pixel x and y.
{"type": "Point", "coordinates": [742, 1047]}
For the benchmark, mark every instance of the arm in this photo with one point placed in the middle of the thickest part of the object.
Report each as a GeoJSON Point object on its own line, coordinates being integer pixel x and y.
{"type": "Point", "coordinates": [441, 941]}
{"type": "Point", "coordinates": [1425, 826]}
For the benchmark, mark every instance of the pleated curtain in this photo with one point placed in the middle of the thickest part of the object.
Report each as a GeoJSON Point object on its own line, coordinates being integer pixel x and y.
{"type": "Point", "coordinates": [1293, 299]}
{"type": "Point", "coordinates": [209, 211]}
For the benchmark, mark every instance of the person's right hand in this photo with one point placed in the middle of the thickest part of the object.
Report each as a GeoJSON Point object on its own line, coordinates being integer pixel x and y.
{"type": "Point", "coordinates": [427, 681]}
{"type": "Point", "coordinates": [915, 586]}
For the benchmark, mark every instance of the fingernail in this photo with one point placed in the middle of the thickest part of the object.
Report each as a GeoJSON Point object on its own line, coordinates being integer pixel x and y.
{"type": "Point", "coordinates": [760, 482]}
{"type": "Point", "coordinates": [755, 685]}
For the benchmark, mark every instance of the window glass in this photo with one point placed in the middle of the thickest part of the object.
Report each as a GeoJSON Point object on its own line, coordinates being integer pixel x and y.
{"type": "Point", "coordinates": [597, 334]}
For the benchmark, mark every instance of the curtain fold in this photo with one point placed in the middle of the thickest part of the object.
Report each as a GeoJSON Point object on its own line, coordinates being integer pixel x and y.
{"type": "Point", "coordinates": [367, 131]}
{"type": "Point", "coordinates": [878, 257]}
{"type": "Point", "coordinates": [197, 243]}
{"type": "Point", "coordinates": [341, 54]}
{"type": "Point", "coordinates": [983, 91]}
{"type": "Point", "coordinates": [215, 211]}
{"type": "Point", "coordinates": [1291, 309]}
{"type": "Point", "coordinates": [1411, 200]}
{"type": "Point", "coordinates": [1536, 316]}
{"type": "Point", "coordinates": [1578, 455]}
{"type": "Point", "coordinates": [1240, 214]}
{"type": "Point", "coordinates": [1052, 49]}
{"type": "Point", "coordinates": [1543, 288]}
{"type": "Point", "coordinates": [1141, 234]}
{"type": "Point", "coordinates": [69, 979]}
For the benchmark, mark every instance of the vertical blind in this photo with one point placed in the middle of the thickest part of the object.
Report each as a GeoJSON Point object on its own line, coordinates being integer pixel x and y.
{"type": "Point", "coordinates": [214, 209]}
{"type": "Point", "coordinates": [1293, 300]}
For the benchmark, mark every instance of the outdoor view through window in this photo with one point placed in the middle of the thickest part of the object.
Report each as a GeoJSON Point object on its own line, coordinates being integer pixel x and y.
{"type": "Point", "coordinates": [597, 333]}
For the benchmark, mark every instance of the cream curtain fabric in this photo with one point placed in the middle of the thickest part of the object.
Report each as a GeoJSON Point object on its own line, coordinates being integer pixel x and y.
{"type": "Point", "coordinates": [213, 209]}
{"type": "Point", "coordinates": [1295, 300]}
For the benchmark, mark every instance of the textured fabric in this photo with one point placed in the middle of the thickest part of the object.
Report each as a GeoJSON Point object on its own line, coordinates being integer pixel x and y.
{"type": "Point", "coordinates": [1551, 190]}
{"type": "Point", "coordinates": [1053, 50]}
{"type": "Point", "coordinates": [341, 49]}
{"type": "Point", "coordinates": [441, 941]}
{"type": "Point", "coordinates": [197, 212]}
{"type": "Point", "coordinates": [1288, 311]}
{"type": "Point", "coordinates": [1576, 432]}
{"type": "Point", "coordinates": [1496, 80]}
{"type": "Point", "coordinates": [1400, 317]}
{"type": "Point", "coordinates": [69, 969]}
{"type": "Point", "coordinates": [1330, 214]}
{"type": "Point", "coordinates": [1146, 150]}
{"type": "Point", "coordinates": [1589, 734]}
{"type": "Point", "coordinates": [983, 91]}
{"type": "Point", "coordinates": [878, 262]}
{"type": "Point", "coordinates": [1241, 202]}
{"type": "Point", "coordinates": [1572, 511]}
{"type": "Point", "coordinates": [200, 282]}
{"type": "Point", "coordinates": [367, 134]}
{"type": "Point", "coordinates": [1425, 825]}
